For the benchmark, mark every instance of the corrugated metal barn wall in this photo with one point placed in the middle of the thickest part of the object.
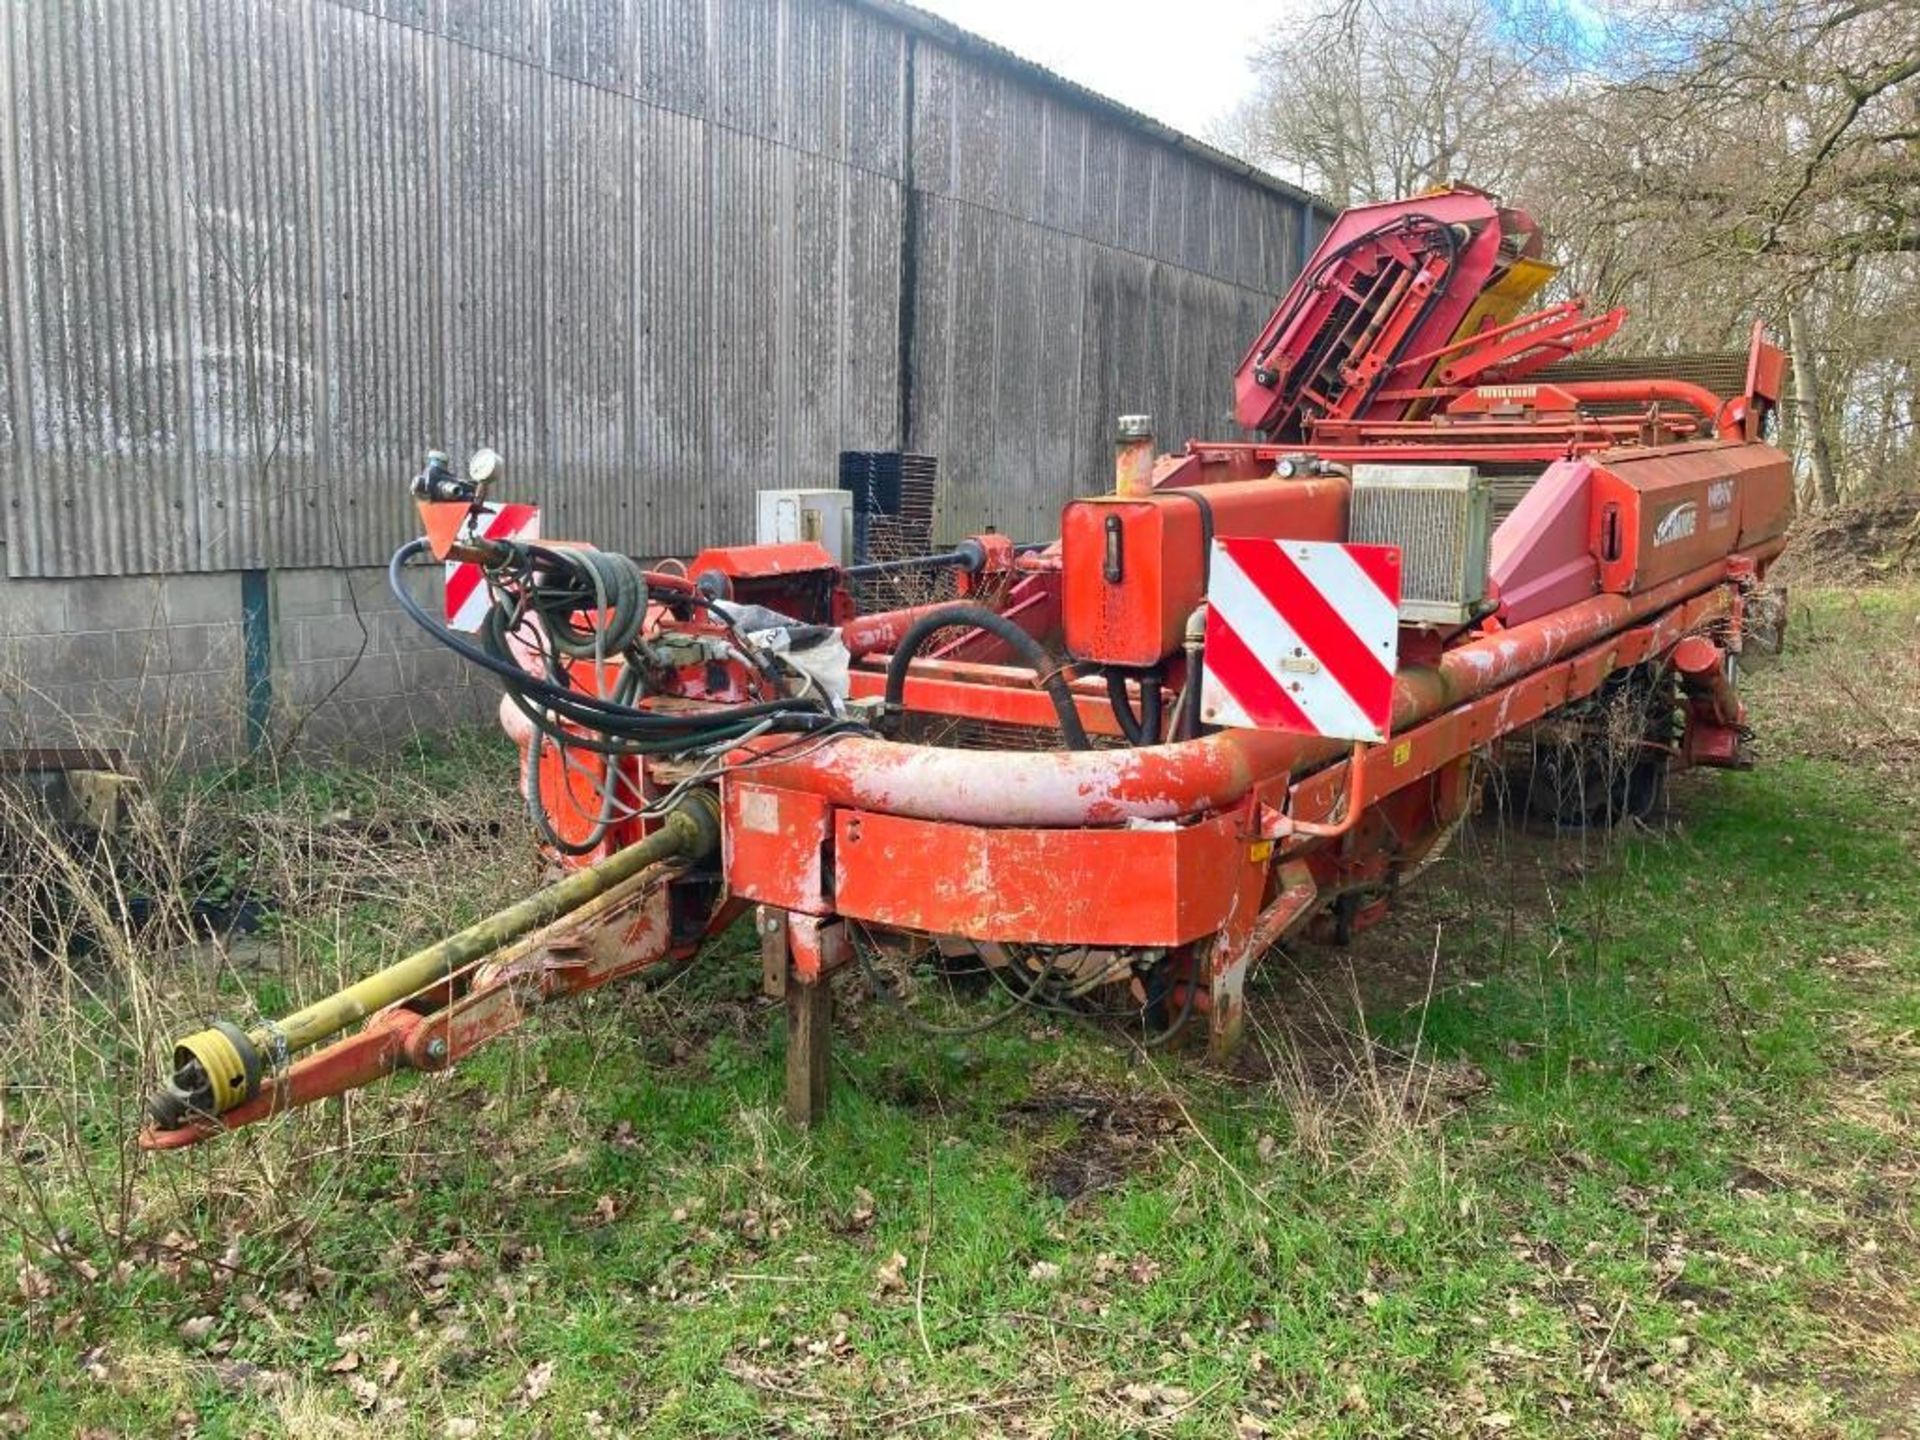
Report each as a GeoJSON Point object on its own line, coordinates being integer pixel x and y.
{"type": "Point", "coordinates": [259, 254]}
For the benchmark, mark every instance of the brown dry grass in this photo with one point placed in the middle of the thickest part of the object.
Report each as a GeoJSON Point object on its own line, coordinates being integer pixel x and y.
{"type": "Point", "coordinates": [115, 942]}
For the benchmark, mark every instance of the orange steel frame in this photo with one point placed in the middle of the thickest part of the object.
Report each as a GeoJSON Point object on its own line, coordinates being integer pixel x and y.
{"type": "Point", "coordinates": [1270, 828]}
{"type": "Point", "coordinates": [827, 839]}
{"type": "Point", "coordinates": [818, 842]}
{"type": "Point", "coordinates": [1210, 849]}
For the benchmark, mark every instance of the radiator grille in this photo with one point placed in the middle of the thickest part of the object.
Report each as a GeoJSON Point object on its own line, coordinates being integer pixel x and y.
{"type": "Point", "coordinates": [1510, 486]}
{"type": "Point", "coordinates": [1441, 517]}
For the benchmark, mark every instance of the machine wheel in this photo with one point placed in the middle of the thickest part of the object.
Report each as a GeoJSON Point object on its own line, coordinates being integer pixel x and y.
{"type": "Point", "coordinates": [1610, 764]}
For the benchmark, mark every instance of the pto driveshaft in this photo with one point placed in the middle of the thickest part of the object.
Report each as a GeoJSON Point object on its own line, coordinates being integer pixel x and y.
{"type": "Point", "coordinates": [221, 1068]}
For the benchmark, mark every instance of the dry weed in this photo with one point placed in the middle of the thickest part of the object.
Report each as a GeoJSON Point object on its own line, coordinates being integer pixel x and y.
{"type": "Point", "coordinates": [231, 893]}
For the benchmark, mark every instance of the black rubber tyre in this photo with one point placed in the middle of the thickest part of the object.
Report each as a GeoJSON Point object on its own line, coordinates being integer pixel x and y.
{"type": "Point", "coordinates": [1615, 772]}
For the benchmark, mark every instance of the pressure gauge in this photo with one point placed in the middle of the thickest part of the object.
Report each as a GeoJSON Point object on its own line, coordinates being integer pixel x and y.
{"type": "Point", "coordinates": [485, 467]}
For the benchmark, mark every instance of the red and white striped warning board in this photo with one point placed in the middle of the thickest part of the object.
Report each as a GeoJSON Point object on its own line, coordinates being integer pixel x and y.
{"type": "Point", "coordinates": [467, 597]}
{"type": "Point", "coordinates": [1302, 636]}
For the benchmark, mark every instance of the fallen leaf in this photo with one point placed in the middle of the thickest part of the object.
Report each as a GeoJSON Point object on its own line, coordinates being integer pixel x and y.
{"type": "Point", "coordinates": [538, 1381]}
{"type": "Point", "coordinates": [861, 1215]}
{"type": "Point", "coordinates": [245, 1375]}
{"type": "Point", "coordinates": [891, 1277]}
{"type": "Point", "coordinates": [196, 1330]}
{"type": "Point", "coordinates": [1164, 1399]}
{"type": "Point", "coordinates": [458, 1427]}
{"type": "Point", "coordinates": [96, 1366]}
{"type": "Point", "coordinates": [346, 1364]}
{"type": "Point", "coordinates": [34, 1282]}
{"type": "Point", "coordinates": [1043, 1272]}
{"type": "Point", "coordinates": [366, 1394]}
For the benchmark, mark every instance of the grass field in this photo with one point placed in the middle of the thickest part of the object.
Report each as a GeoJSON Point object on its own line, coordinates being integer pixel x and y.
{"type": "Point", "coordinates": [1594, 1138]}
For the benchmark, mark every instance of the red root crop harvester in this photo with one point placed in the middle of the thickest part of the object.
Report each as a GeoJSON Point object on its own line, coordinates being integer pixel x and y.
{"type": "Point", "coordinates": [1238, 696]}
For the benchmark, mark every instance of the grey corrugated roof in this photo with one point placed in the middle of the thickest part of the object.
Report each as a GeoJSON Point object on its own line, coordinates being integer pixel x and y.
{"type": "Point", "coordinates": [978, 47]}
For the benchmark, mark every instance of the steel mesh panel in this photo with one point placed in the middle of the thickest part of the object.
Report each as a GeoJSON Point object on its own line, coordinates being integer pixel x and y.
{"type": "Point", "coordinates": [950, 732]}
{"type": "Point", "coordinates": [1441, 518]}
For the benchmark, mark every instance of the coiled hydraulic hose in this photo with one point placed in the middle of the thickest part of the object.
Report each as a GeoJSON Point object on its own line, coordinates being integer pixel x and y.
{"type": "Point", "coordinates": [978, 617]}
{"type": "Point", "coordinates": [557, 584]}
{"type": "Point", "coordinates": [540, 594]}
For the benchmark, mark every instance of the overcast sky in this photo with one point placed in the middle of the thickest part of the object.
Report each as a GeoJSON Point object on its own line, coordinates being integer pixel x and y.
{"type": "Point", "coordinates": [1181, 61]}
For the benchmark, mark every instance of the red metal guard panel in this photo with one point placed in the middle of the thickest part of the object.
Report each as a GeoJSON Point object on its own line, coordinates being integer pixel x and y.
{"type": "Point", "coordinates": [1163, 885]}
{"type": "Point", "coordinates": [773, 845]}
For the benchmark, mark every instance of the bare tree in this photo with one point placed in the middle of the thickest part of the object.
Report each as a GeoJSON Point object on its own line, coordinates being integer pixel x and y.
{"type": "Point", "coordinates": [1704, 162]}
{"type": "Point", "coordinates": [1381, 98]}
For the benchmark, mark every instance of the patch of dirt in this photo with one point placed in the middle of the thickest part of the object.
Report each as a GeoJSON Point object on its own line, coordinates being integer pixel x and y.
{"type": "Point", "coordinates": [1111, 1134]}
{"type": "Point", "coordinates": [1891, 1407]}
{"type": "Point", "coordinates": [1869, 541]}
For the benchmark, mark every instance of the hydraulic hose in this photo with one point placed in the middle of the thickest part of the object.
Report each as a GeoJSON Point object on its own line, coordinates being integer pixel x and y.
{"type": "Point", "coordinates": [1144, 728]}
{"type": "Point", "coordinates": [224, 1066]}
{"type": "Point", "coordinates": [979, 617]}
{"type": "Point", "coordinates": [606, 726]}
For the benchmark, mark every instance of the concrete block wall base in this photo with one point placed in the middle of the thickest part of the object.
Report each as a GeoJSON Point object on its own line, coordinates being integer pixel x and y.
{"type": "Point", "coordinates": [155, 666]}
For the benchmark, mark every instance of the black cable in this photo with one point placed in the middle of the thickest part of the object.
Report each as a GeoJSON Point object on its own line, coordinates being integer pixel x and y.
{"type": "Point", "coordinates": [1022, 999]}
{"type": "Point", "coordinates": [1070, 1008]}
{"type": "Point", "coordinates": [978, 617]}
{"type": "Point", "coordinates": [1187, 724]}
{"type": "Point", "coordinates": [1179, 1023]}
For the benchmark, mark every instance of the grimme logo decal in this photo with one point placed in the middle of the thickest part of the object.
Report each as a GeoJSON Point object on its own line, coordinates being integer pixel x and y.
{"type": "Point", "coordinates": [1719, 504]}
{"type": "Point", "coordinates": [1677, 524]}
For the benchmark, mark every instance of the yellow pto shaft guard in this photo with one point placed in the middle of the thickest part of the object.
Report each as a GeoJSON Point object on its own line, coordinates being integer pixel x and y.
{"type": "Point", "coordinates": [217, 1069]}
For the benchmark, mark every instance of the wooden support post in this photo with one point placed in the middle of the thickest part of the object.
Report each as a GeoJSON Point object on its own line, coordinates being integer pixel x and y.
{"type": "Point", "coordinates": [798, 955]}
{"type": "Point", "coordinates": [809, 1049]}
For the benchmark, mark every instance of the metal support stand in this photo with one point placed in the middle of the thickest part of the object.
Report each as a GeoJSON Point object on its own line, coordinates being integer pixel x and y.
{"type": "Point", "coordinates": [1233, 955]}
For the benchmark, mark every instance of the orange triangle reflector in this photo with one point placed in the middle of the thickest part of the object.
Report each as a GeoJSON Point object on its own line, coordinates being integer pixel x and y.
{"type": "Point", "coordinates": [442, 519]}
